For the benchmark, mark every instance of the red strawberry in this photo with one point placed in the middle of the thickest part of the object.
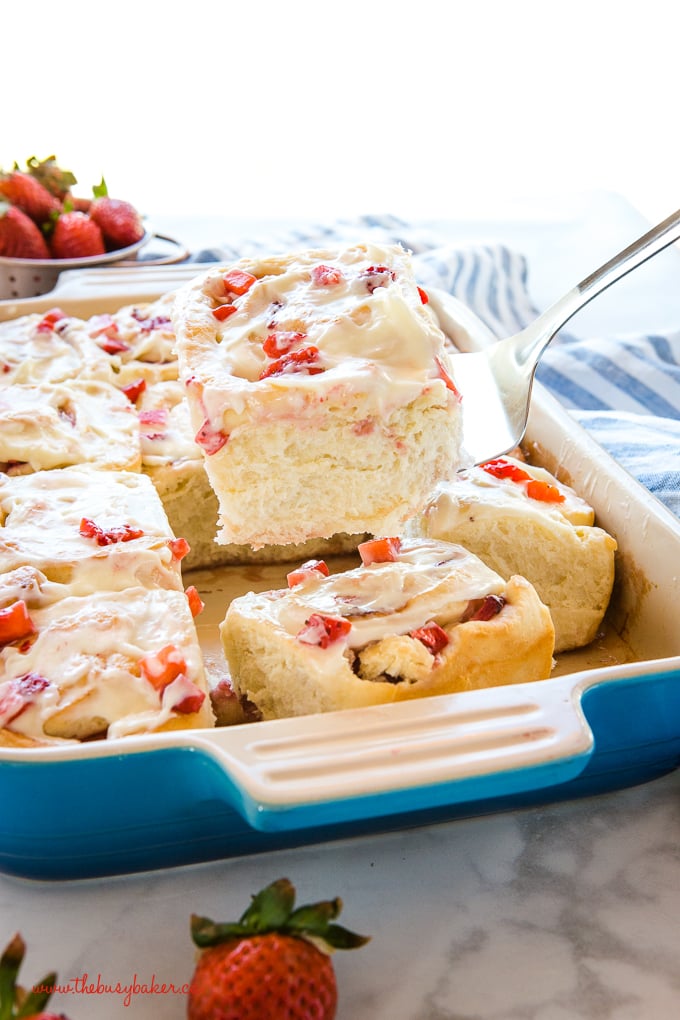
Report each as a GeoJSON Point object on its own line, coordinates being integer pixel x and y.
{"type": "Point", "coordinates": [266, 964]}
{"type": "Point", "coordinates": [119, 222]}
{"type": "Point", "coordinates": [20, 238]}
{"type": "Point", "coordinates": [76, 236]}
{"type": "Point", "coordinates": [29, 195]}
{"type": "Point", "coordinates": [17, 1002]}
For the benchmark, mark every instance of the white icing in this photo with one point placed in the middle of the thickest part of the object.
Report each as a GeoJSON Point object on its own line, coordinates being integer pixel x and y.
{"type": "Point", "coordinates": [430, 580]}
{"type": "Point", "coordinates": [477, 494]}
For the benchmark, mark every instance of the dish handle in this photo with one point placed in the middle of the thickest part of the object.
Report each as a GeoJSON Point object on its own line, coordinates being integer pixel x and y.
{"type": "Point", "coordinates": [385, 760]}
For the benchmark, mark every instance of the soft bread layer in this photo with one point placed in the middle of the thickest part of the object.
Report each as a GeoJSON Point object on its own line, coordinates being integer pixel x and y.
{"type": "Point", "coordinates": [379, 661]}
{"type": "Point", "coordinates": [569, 561]}
{"type": "Point", "coordinates": [334, 475]}
{"type": "Point", "coordinates": [353, 441]}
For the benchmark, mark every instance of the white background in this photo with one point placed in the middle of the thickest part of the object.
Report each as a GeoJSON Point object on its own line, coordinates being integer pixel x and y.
{"type": "Point", "coordinates": [342, 107]}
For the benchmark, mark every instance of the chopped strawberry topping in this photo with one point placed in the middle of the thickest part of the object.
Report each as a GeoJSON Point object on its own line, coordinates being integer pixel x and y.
{"type": "Point", "coordinates": [485, 609]}
{"type": "Point", "coordinates": [535, 488]}
{"type": "Point", "coordinates": [379, 550]}
{"type": "Point", "coordinates": [450, 385]}
{"type": "Point", "coordinates": [500, 468]}
{"type": "Point", "coordinates": [238, 282]}
{"type": "Point", "coordinates": [323, 630]}
{"type": "Point", "coordinates": [210, 439]}
{"type": "Point", "coordinates": [306, 570]}
{"type": "Point", "coordinates": [155, 416]}
{"type": "Point", "coordinates": [134, 390]}
{"type": "Point", "coordinates": [303, 360]}
{"type": "Point", "coordinates": [327, 276]}
{"type": "Point", "coordinates": [223, 312]}
{"type": "Point", "coordinates": [19, 694]}
{"type": "Point", "coordinates": [50, 319]}
{"type": "Point", "coordinates": [196, 603]}
{"type": "Point", "coordinates": [183, 696]}
{"type": "Point", "coordinates": [377, 276]}
{"type": "Point", "coordinates": [162, 667]}
{"type": "Point", "coordinates": [544, 491]}
{"type": "Point", "coordinates": [432, 636]}
{"type": "Point", "coordinates": [280, 342]}
{"type": "Point", "coordinates": [110, 536]}
{"type": "Point", "coordinates": [179, 547]}
{"type": "Point", "coordinates": [424, 296]}
{"type": "Point", "coordinates": [15, 623]}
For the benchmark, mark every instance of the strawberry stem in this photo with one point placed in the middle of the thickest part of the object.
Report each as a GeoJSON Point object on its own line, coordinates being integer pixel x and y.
{"type": "Point", "coordinates": [271, 910]}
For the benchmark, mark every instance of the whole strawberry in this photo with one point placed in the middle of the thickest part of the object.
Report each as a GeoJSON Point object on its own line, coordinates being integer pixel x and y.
{"type": "Point", "coordinates": [76, 236]}
{"type": "Point", "coordinates": [119, 222]}
{"type": "Point", "coordinates": [15, 1001]}
{"type": "Point", "coordinates": [272, 964]}
{"type": "Point", "coordinates": [20, 238]}
{"type": "Point", "coordinates": [28, 194]}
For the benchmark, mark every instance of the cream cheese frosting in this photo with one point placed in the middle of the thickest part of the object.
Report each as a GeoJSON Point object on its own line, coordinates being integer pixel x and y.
{"type": "Point", "coordinates": [55, 425]}
{"type": "Point", "coordinates": [127, 541]}
{"type": "Point", "coordinates": [428, 581]}
{"type": "Point", "coordinates": [83, 674]}
{"type": "Point", "coordinates": [375, 336]}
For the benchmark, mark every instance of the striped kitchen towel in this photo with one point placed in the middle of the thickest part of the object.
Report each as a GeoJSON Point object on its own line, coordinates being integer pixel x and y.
{"type": "Point", "coordinates": [625, 390]}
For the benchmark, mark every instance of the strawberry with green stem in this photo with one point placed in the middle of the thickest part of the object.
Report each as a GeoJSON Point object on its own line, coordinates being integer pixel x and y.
{"type": "Point", "coordinates": [120, 223]}
{"type": "Point", "coordinates": [15, 1002]}
{"type": "Point", "coordinates": [272, 964]}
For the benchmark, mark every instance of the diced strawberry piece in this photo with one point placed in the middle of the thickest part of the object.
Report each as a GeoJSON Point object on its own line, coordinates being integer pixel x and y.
{"type": "Point", "coordinates": [210, 439]}
{"type": "Point", "coordinates": [49, 320]}
{"type": "Point", "coordinates": [379, 550]}
{"type": "Point", "coordinates": [196, 603]}
{"type": "Point", "coordinates": [154, 416]}
{"type": "Point", "coordinates": [377, 276]}
{"type": "Point", "coordinates": [306, 570]}
{"type": "Point", "coordinates": [110, 536]}
{"type": "Point", "coordinates": [303, 360]}
{"type": "Point", "coordinates": [15, 623]}
{"type": "Point", "coordinates": [424, 296]}
{"type": "Point", "coordinates": [183, 696]}
{"type": "Point", "coordinates": [162, 667]}
{"type": "Point", "coordinates": [134, 390]}
{"type": "Point", "coordinates": [327, 276]}
{"type": "Point", "coordinates": [432, 636]}
{"type": "Point", "coordinates": [179, 547]}
{"type": "Point", "coordinates": [238, 282]}
{"type": "Point", "coordinates": [111, 345]}
{"type": "Point", "coordinates": [223, 312]}
{"type": "Point", "coordinates": [323, 630]}
{"type": "Point", "coordinates": [544, 491]}
{"type": "Point", "coordinates": [489, 607]}
{"type": "Point", "coordinates": [19, 694]}
{"type": "Point", "coordinates": [501, 468]}
{"type": "Point", "coordinates": [450, 385]}
{"type": "Point", "coordinates": [280, 342]}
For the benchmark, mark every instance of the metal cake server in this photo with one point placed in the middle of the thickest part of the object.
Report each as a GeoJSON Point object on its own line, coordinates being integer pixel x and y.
{"type": "Point", "coordinates": [496, 383]}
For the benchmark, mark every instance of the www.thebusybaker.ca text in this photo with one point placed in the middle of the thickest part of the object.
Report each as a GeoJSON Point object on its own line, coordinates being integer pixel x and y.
{"type": "Point", "coordinates": [84, 985]}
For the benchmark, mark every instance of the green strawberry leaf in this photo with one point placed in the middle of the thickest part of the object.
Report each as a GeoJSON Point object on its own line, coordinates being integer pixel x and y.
{"type": "Point", "coordinates": [36, 1001]}
{"type": "Point", "coordinates": [100, 190]}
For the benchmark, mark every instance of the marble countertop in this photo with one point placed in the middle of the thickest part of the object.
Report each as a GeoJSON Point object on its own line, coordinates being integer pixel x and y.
{"type": "Point", "coordinates": [565, 912]}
